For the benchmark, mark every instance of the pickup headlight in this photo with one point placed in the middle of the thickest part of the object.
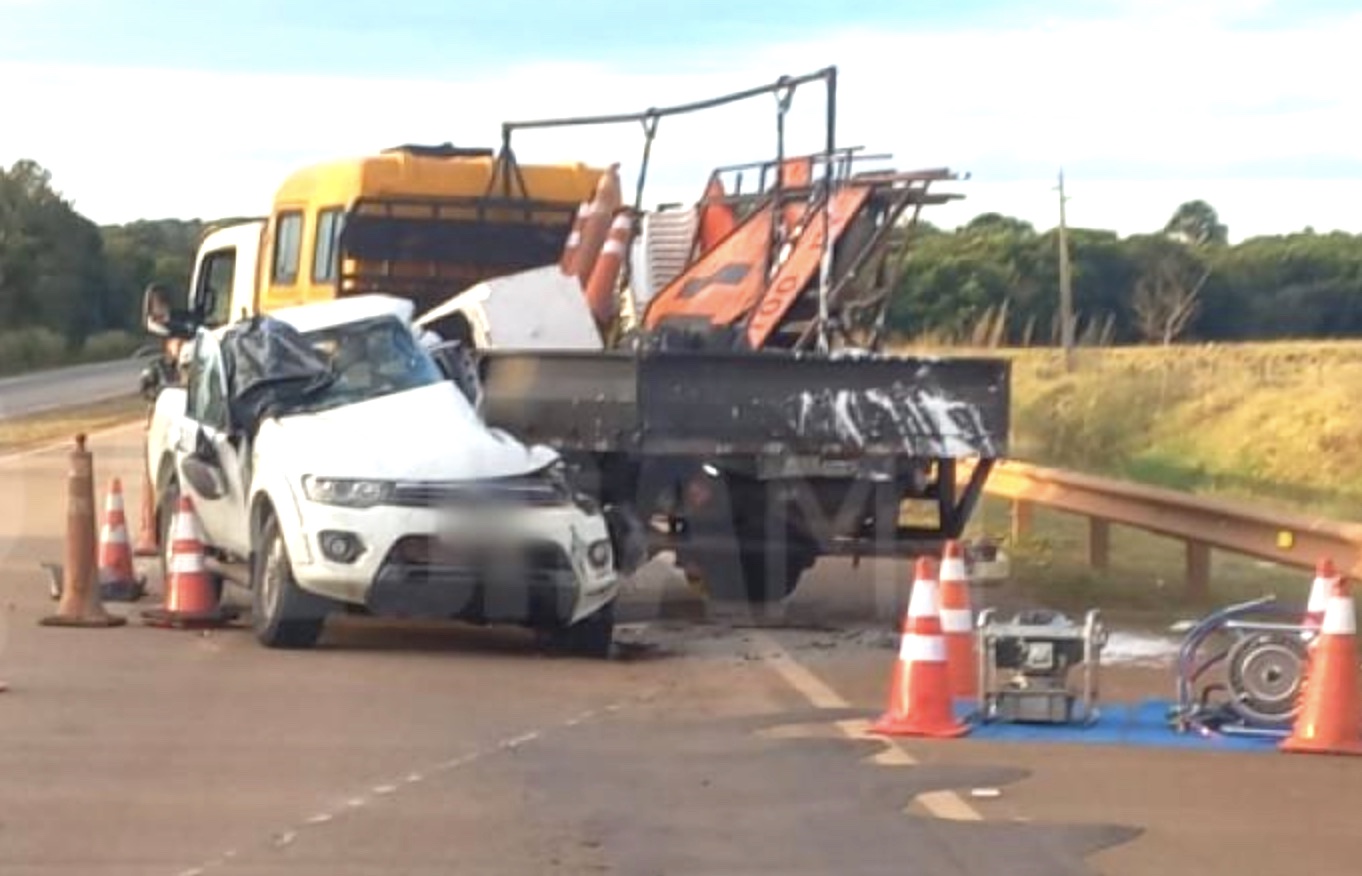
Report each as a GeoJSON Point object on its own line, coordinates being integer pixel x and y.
{"type": "Point", "coordinates": [348, 492]}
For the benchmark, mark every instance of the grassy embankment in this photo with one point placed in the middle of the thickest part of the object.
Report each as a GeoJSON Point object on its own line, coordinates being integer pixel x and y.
{"type": "Point", "coordinates": [34, 349]}
{"type": "Point", "coordinates": [48, 427]}
{"type": "Point", "coordinates": [1276, 424]}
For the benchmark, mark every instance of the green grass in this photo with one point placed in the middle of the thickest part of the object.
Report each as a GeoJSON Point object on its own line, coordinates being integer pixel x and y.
{"type": "Point", "coordinates": [34, 349]}
{"type": "Point", "coordinates": [35, 430]}
{"type": "Point", "coordinates": [1274, 424]}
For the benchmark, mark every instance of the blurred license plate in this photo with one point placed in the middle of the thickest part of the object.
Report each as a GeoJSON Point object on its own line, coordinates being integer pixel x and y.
{"type": "Point", "coordinates": [482, 526]}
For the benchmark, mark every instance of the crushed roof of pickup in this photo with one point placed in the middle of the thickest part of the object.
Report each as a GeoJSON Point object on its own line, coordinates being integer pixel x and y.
{"type": "Point", "coordinates": [352, 308]}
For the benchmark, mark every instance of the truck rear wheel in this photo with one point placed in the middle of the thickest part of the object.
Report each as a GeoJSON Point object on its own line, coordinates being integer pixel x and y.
{"type": "Point", "coordinates": [730, 551]}
{"type": "Point", "coordinates": [747, 574]}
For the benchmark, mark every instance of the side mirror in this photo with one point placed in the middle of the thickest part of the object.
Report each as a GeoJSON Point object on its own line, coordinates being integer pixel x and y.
{"type": "Point", "coordinates": [161, 319]}
{"type": "Point", "coordinates": [156, 311]}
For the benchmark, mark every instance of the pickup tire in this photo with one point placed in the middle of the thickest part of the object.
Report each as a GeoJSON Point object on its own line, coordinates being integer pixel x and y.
{"type": "Point", "coordinates": [283, 615]}
{"type": "Point", "coordinates": [591, 636]}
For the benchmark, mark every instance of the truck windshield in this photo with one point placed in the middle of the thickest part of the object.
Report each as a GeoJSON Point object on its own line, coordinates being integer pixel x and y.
{"type": "Point", "coordinates": [370, 359]}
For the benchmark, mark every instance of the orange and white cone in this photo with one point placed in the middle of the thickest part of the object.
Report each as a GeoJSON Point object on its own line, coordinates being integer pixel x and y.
{"type": "Point", "coordinates": [574, 239]}
{"type": "Point", "coordinates": [191, 599]}
{"type": "Point", "coordinates": [957, 622]}
{"type": "Point", "coordinates": [600, 286]}
{"type": "Point", "coordinates": [1326, 576]}
{"type": "Point", "coordinates": [1330, 717]}
{"type": "Point", "coordinates": [596, 225]}
{"type": "Point", "coordinates": [920, 692]}
{"type": "Point", "coordinates": [117, 579]}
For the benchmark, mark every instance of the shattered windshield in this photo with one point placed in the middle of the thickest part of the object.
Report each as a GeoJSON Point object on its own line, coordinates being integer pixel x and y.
{"type": "Point", "coordinates": [369, 359]}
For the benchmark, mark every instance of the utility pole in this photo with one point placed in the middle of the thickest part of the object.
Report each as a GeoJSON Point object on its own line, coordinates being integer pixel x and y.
{"type": "Point", "coordinates": [1066, 292]}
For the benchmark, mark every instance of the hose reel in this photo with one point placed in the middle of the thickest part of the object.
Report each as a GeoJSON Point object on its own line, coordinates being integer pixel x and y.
{"type": "Point", "coordinates": [1262, 666]}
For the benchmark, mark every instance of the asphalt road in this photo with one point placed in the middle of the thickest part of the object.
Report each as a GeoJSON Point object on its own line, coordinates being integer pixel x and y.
{"type": "Point", "coordinates": [67, 387]}
{"type": "Point", "coordinates": [709, 745]}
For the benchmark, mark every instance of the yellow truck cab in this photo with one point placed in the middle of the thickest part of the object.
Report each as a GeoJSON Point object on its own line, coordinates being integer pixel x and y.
{"type": "Point", "coordinates": [419, 222]}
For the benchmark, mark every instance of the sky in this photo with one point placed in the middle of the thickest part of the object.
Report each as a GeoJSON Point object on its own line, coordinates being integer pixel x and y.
{"type": "Point", "coordinates": [152, 109]}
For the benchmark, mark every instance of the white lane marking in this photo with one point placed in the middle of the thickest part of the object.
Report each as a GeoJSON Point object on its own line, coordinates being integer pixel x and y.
{"type": "Point", "coordinates": [517, 741]}
{"type": "Point", "coordinates": [579, 718]}
{"type": "Point", "coordinates": [286, 837]}
{"type": "Point", "coordinates": [456, 762]}
{"type": "Point", "coordinates": [941, 804]}
{"type": "Point", "coordinates": [893, 756]}
{"type": "Point", "coordinates": [948, 805]}
{"type": "Point", "coordinates": [67, 443]}
{"type": "Point", "coordinates": [810, 686]}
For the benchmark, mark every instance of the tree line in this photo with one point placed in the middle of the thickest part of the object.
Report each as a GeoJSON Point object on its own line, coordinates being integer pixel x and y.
{"type": "Point", "coordinates": [994, 280]}
{"type": "Point", "coordinates": [61, 272]}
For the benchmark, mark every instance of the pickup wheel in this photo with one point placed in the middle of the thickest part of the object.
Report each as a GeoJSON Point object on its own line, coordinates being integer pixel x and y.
{"type": "Point", "coordinates": [590, 637]}
{"type": "Point", "coordinates": [283, 615]}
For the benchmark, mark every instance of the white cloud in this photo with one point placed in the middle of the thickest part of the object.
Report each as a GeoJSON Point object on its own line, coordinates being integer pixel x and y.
{"type": "Point", "coordinates": [1159, 93]}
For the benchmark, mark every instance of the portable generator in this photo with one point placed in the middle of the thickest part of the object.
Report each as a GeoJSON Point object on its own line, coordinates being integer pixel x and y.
{"type": "Point", "coordinates": [1025, 663]}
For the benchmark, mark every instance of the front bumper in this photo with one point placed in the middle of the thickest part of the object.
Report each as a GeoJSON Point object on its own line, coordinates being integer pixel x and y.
{"type": "Point", "coordinates": [531, 567]}
{"type": "Point", "coordinates": [536, 597]}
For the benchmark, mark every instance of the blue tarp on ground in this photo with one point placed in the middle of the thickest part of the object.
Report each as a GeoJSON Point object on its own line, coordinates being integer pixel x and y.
{"type": "Point", "coordinates": [1143, 724]}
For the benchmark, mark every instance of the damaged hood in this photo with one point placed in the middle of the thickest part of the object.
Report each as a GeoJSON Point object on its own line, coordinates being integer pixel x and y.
{"type": "Point", "coordinates": [427, 433]}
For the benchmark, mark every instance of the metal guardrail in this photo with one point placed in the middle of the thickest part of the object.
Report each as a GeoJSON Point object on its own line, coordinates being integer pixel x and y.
{"type": "Point", "coordinates": [1201, 523]}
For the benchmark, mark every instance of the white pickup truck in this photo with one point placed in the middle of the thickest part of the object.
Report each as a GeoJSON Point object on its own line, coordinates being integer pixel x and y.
{"type": "Point", "coordinates": [334, 465]}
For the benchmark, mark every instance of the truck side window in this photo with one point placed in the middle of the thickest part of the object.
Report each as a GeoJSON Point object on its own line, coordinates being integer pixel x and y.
{"type": "Point", "coordinates": [329, 223]}
{"type": "Point", "coordinates": [207, 400]}
{"type": "Point", "coordinates": [288, 246]}
{"type": "Point", "coordinates": [215, 292]}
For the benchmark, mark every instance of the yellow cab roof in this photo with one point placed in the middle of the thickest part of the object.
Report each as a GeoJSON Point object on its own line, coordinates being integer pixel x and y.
{"type": "Point", "coordinates": [399, 173]}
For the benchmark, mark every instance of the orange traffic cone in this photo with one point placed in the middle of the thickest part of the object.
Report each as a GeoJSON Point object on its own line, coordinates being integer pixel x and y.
{"type": "Point", "coordinates": [957, 622]}
{"type": "Point", "coordinates": [1330, 717]}
{"type": "Point", "coordinates": [920, 693]}
{"type": "Point", "coordinates": [190, 596]}
{"type": "Point", "coordinates": [1326, 575]}
{"type": "Point", "coordinates": [117, 580]}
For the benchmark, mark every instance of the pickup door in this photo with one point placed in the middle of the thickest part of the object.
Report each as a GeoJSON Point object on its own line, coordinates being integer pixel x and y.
{"type": "Point", "coordinates": [207, 459]}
